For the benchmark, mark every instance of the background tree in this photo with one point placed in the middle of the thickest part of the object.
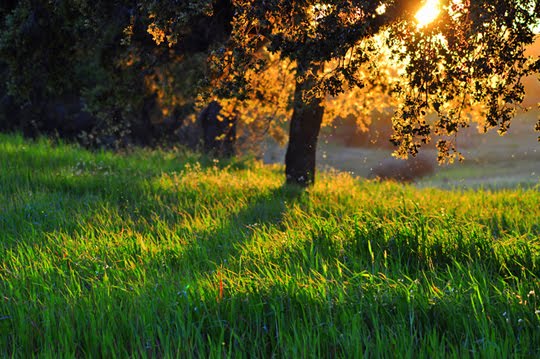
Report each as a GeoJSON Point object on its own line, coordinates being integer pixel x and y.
{"type": "Point", "coordinates": [65, 54]}
{"type": "Point", "coordinates": [100, 58]}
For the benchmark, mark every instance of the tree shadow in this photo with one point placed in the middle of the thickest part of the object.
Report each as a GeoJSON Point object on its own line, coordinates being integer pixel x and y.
{"type": "Point", "coordinates": [45, 216]}
{"type": "Point", "coordinates": [63, 192]}
{"type": "Point", "coordinates": [215, 246]}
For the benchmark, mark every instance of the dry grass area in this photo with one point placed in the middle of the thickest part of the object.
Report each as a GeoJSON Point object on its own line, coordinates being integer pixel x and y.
{"type": "Point", "coordinates": [490, 160]}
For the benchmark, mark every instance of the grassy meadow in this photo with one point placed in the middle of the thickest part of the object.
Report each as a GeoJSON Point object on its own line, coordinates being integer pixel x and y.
{"type": "Point", "coordinates": [168, 254]}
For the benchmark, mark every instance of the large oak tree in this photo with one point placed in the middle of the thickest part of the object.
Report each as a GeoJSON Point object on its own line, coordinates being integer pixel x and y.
{"type": "Point", "coordinates": [471, 56]}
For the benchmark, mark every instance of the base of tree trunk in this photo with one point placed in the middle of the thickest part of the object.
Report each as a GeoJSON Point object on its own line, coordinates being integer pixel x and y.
{"type": "Point", "coordinates": [303, 134]}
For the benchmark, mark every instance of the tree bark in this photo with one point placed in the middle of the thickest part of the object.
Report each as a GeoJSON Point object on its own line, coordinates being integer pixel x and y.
{"type": "Point", "coordinates": [304, 129]}
{"type": "Point", "coordinates": [219, 134]}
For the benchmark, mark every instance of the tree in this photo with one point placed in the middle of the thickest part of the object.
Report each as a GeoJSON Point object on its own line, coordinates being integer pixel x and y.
{"type": "Point", "coordinates": [470, 56]}
{"type": "Point", "coordinates": [56, 53]}
{"type": "Point", "coordinates": [103, 57]}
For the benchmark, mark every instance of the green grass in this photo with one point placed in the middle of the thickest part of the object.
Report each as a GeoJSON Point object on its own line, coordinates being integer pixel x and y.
{"type": "Point", "coordinates": [159, 254]}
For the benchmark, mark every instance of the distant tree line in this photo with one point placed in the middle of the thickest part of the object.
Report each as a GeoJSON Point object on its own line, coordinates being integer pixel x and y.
{"type": "Point", "coordinates": [93, 71]}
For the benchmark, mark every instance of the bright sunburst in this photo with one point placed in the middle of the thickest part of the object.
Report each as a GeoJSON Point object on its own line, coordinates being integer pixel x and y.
{"type": "Point", "coordinates": [428, 13]}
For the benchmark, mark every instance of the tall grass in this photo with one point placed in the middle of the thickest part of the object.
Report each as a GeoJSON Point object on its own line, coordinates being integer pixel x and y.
{"type": "Point", "coordinates": [161, 254]}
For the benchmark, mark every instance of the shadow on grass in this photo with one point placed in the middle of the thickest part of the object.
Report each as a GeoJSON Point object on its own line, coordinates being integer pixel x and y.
{"type": "Point", "coordinates": [216, 245]}
{"type": "Point", "coordinates": [44, 189]}
{"type": "Point", "coordinates": [51, 191]}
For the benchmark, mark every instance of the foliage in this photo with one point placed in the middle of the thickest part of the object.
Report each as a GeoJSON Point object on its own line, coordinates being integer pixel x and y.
{"type": "Point", "coordinates": [167, 254]}
{"type": "Point", "coordinates": [472, 56]}
{"type": "Point", "coordinates": [53, 51]}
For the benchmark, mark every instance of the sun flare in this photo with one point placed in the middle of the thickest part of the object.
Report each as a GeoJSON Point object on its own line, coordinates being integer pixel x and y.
{"type": "Point", "coordinates": [428, 13]}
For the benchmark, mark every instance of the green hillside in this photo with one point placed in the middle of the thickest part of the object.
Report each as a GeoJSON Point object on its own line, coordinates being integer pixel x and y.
{"type": "Point", "coordinates": [163, 254]}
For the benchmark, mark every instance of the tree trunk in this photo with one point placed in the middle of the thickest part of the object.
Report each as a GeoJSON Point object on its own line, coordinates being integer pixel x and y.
{"type": "Point", "coordinates": [219, 134]}
{"type": "Point", "coordinates": [304, 130]}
